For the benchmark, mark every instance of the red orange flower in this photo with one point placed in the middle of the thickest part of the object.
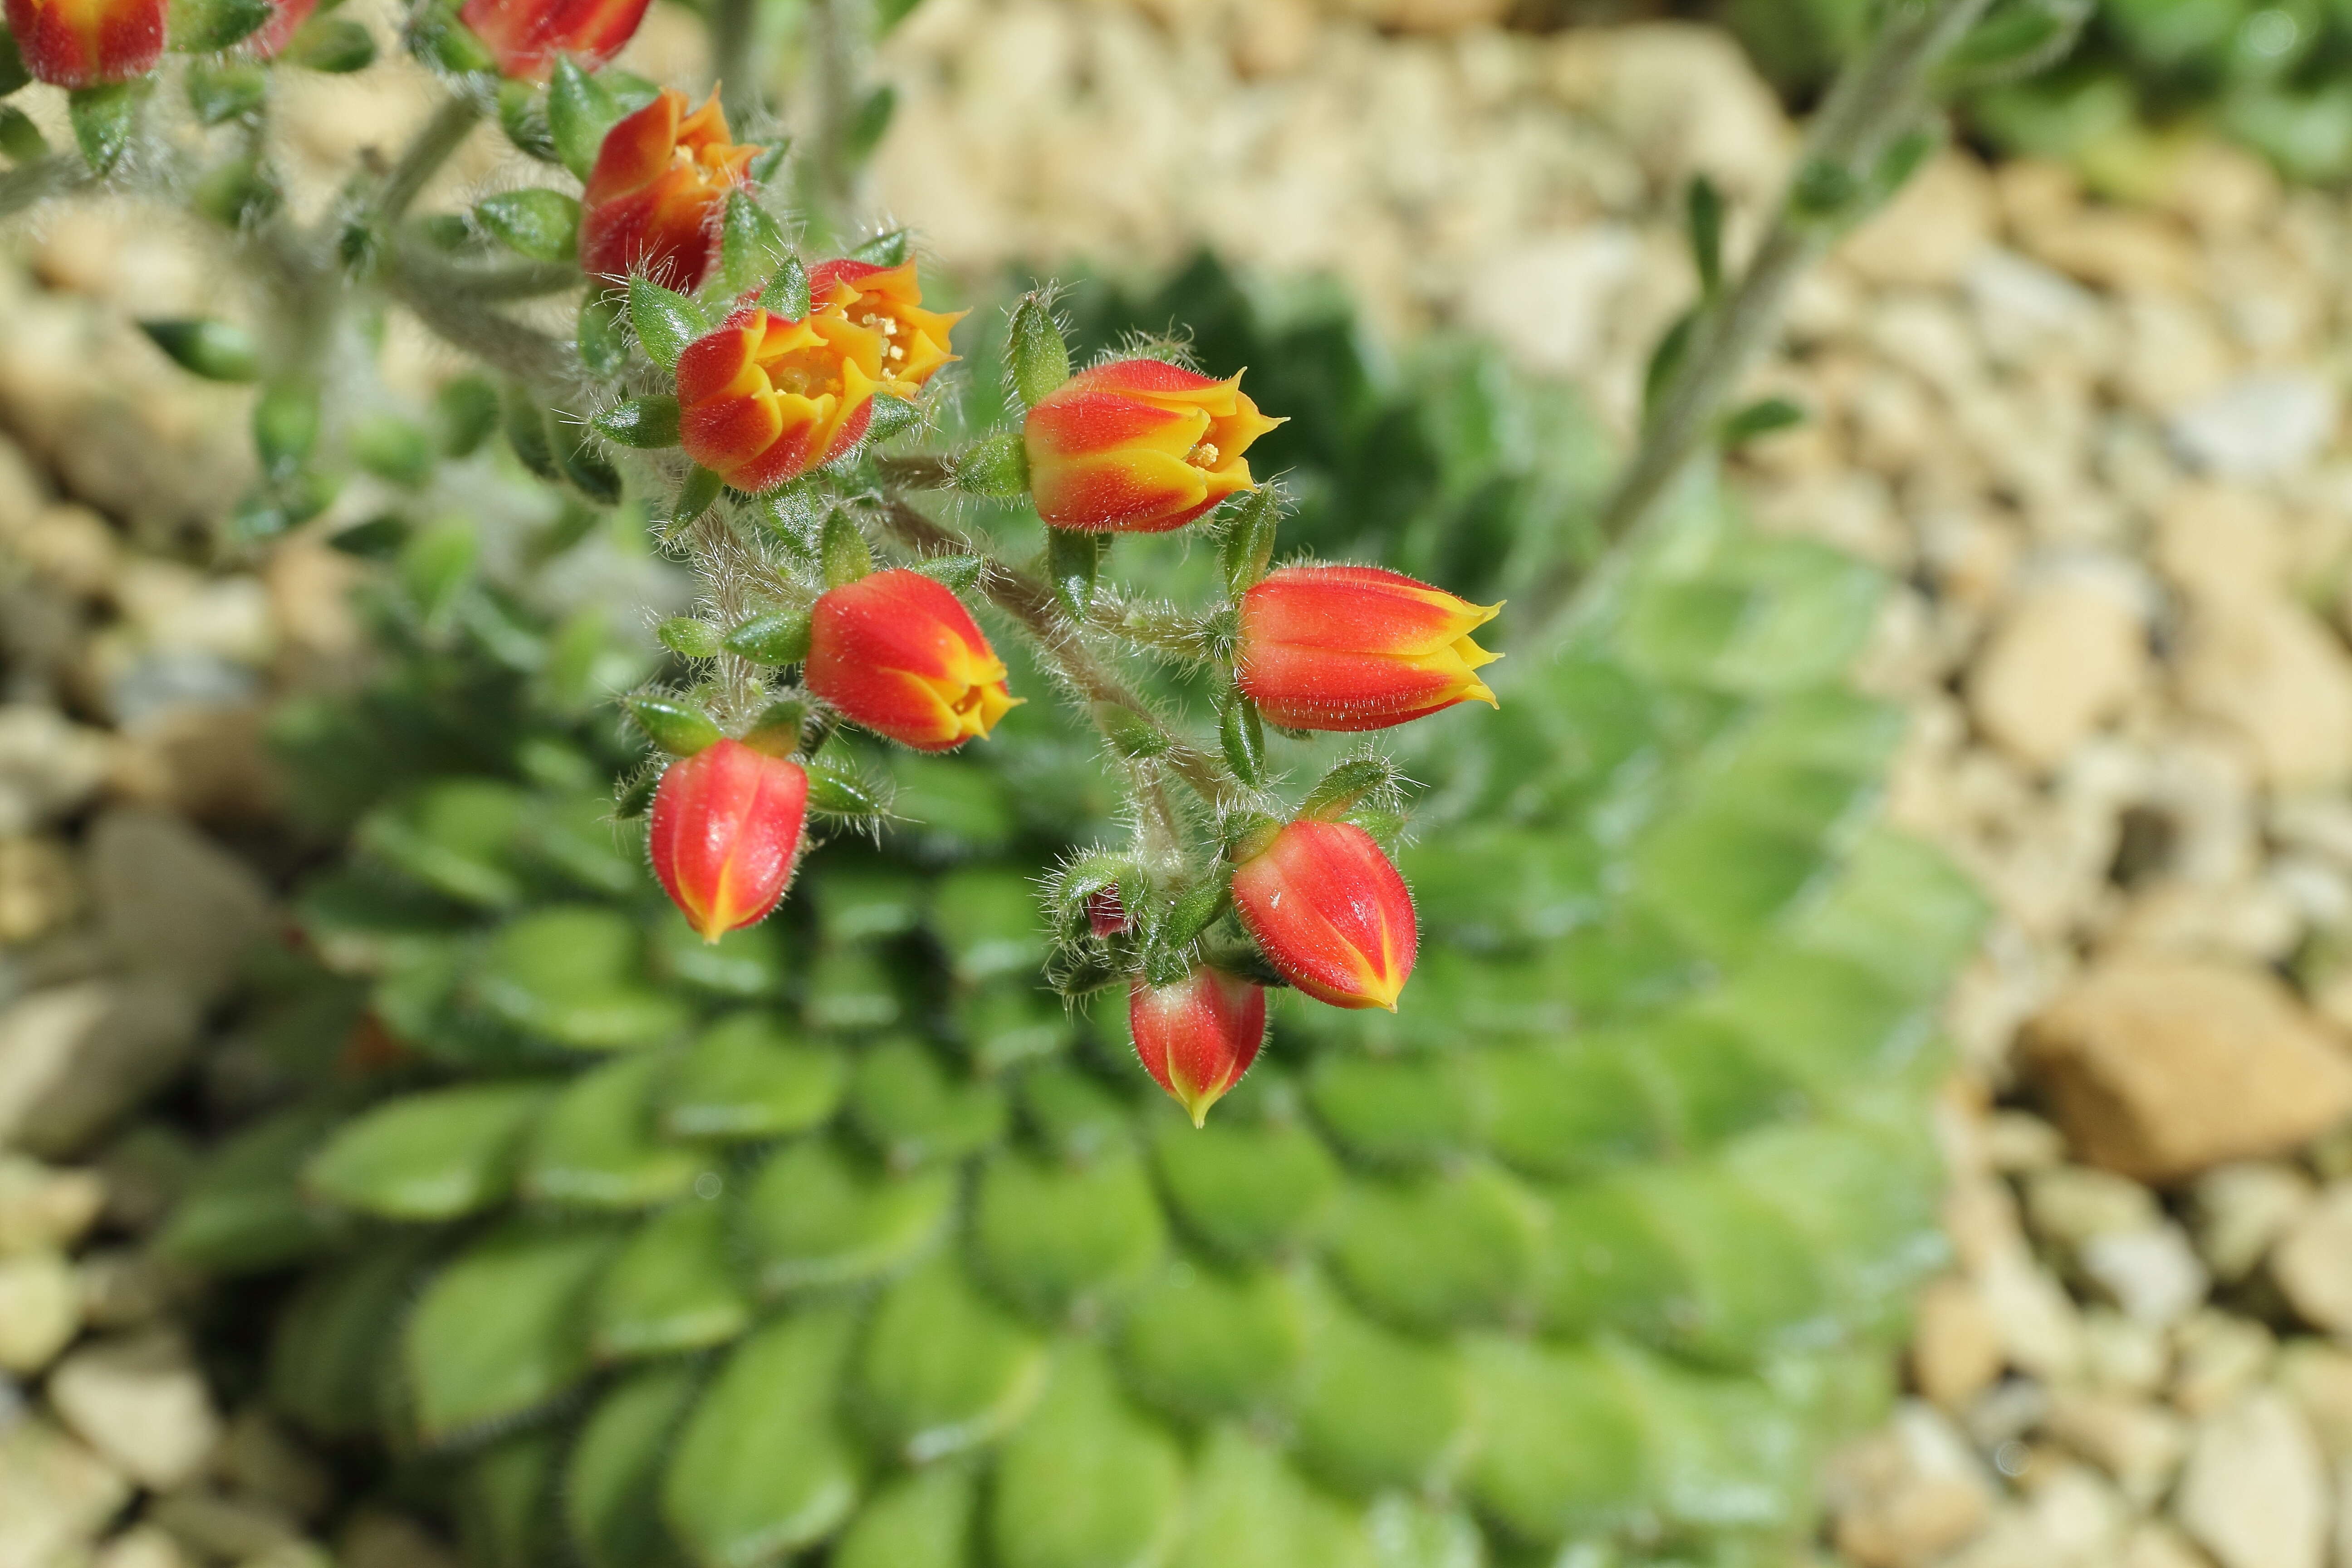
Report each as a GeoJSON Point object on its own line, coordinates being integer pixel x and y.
{"type": "Point", "coordinates": [526, 35]}
{"type": "Point", "coordinates": [84, 42]}
{"type": "Point", "coordinates": [1197, 1037]}
{"type": "Point", "coordinates": [762, 400]}
{"type": "Point", "coordinates": [655, 195]}
{"type": "Point", "coordinates": [1357, 648]}
{"type": "Point", "coordinates": [1139, 447]}
{"type": "Point", "coordinates": [1330, 913]}
{"type": "Point", "coordinates": [900, 654]}
{"type": "Point", "coordinates": [726, 833]}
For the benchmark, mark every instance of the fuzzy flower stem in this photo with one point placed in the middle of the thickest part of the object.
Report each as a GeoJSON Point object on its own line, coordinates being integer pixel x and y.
{"type": "Point", "coordinates": [435, 139]}
{"type": "Point", "coordinates": [1031, 602]}
{"type": "Point", "coordinates": [522, 352]}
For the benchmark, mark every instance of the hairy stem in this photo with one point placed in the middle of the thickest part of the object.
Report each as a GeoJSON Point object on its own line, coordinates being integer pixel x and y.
{"type": "Point", "coordinates": [1031, 602]}
{"type": "Point", "coordinates": [1877, 96]}
{"type": "Point", "coordinates": [31, 184]}
{"type": "Point", "coordinates": [736, 59]}
{"type": "Point", "coordinates": [422, 159]}
{"type": "Point", "coordinates": [522, 352]}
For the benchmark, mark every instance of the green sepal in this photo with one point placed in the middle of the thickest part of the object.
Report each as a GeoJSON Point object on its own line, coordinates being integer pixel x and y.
{"type": "Point", "coordinates": [781, 636]}
{"type": "Point", "coordinates": [526, 429]}
{"type": "Point", "coordinates": [242, 190]}
{"type": "Point", "coordinates": [787, 294]}
{"type": "Point", "coordinates": [1762, 418]}
{"type": "Point", "coordinates": [208, 27]}
{"type": "Point", "coordinates": [842, 549]}
{"type": "Point", "coordinates": [687, 637]}
{"type": "Point", "coordinates": [215, 351]}
{"type": "Point", "coordinates": [1130, 733]}
{"type": "Point", "coordinates": [996, 467]}
{"type": "Point", "coordinates": [580, 110]}
{"type": "Point", "coordinates": [20, 139]}
{"type": "Point", "coordinates": [777, 731]}
{"type": "Point", "coordinates": [1245, 544]}
{"type": "Point", "coordinates": [1170, 929]}
{"type": "Point", "coordinates": [1037, 357]}
{"type": "Point", "coordinates": [440, 39]}
{"type": "Point", "coordinates": [695, 496]}
{"type": "Point", "coordinates": [839, 789]}
{"type": "Point", "coordinates": [769, 161]}
{"type": "Point", "coordinates": [752, 244]}
{"type": "Point", "coordinates": [333, 44]}
{"type": "Point", "coordinates": [286, 426]}
{"type": "Point", "coordinates": [665, 319]}
{"type": "Point", "coordinates": [522, 115]}
{"type": "Point", "coordinates": [601, 332]}
{"type": "Point", "coordinates": [465, 410]}
{"type": "Point", "coordinates": [891, 415]}
{"type": "Point", "coordinates": [643, 424]}
{"type": "Point", "coordinates": [677, 727]}
{"type": "Point", "coordinates": [393, 448]}
{"type": "Point", "coordinates": [1703, 210]}
{"type": "Point", "coordinates": [13, 74]}
{"type": "Point", "coordinates": [104, 120]}
{"type": "Point", "coordinates": [961, 573]}
{"type": "Point", "coordinates": [885, 250]}
{"type": "Point", "coordinates": [634, 797]}
{"type": "Point", "coordinates": [1073, 563]}
{"type": "Point", "coordinates": [223, 90]}
{"type": "Point", "coordinates": [541, 223]}
{"type": "Point", "coordinates": [1242, 734]}
{"type": "Point", "coordinates": [1340, 791]}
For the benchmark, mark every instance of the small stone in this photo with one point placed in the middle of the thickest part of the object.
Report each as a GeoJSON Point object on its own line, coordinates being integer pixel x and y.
{"type": "Point", "coordinates": [1907, 1495]}
{"type": "Point", "coordinates": [2275, 674]}
{"type": "Point", "coordinates": [2221, 189]}
{"type": "Point", "coordinates": [40, 889]}
{"type": "Point", "coordinates": [2265, 426]}
{"type": "Point", "coordinates": [2035, 1320]}
{"type": "Point", "coordinates": [74, 1058]}
{"type": "Point", "coordinates": [2023, 311]}
{"type": "Point", "coordinates": [41, 1207]}
{"type": "Point", "coordinates": [121, 1287]}
{"type": "Point", "coordinates": [49, 766]}
{"type": "Point", "coordinates": [2313, 1261]}
{"type": "Point", "coordinates": [174, 903]}
{"type": "Point", "coordinates": [2153, 1273]}
{"type": "Point", "coordinates": [2158, 1069]}
{"type": "Point", "coordinates": [1930, 233]}
{"type": "Point", "coordinates": [1955, 1347]}
{"type": "Point", "coordinates": [2318, 1377]}
{"type": "Point", "coordinates": [2137, 1442]}
{"type": "Point", "coordinates": [70, 549]}
{"type": "Point", "coordinates": [2242, 1209]}
{"type": "Point", "coordinates": [2157, 1544]}
{"type": "Point", "coordinates": [55, 1494]}
{"type": "Point", "coordinates": [2072, 1204]}
{"type": "Point", "coordinates": [40, 1309]}
{"type": "Point", "coordinates": [376, 1539]}
{"type": "Point", "coordinates": [213, 1526]}
{"type": "Point", "coordinates": [2122, 1354]}
{"type": "Point", "coordinates": [2216, 1357]}
{"type": "Point", "coordinates": [2253, 1492]}
{"type": "Point", "coordinates": [262, 1458]}
{"type": "Point", "coordinates": [2017, 1141]}
{"type": "Point", "coordinates": [2068, 656]}
{"type": "Point", "coordinates": [140, 1401]}
{"type": "Point", "coordinates": [141, 1546]}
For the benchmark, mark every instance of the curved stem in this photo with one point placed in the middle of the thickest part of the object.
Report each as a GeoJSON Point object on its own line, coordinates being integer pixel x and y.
{"type": "Point", "coordinates": [31, 184]}
{"type": "Point", "coordinates": [522, 352]}
{"type": "Point", "coordinates": [1879, 95]}
{"type": "Point", "coordinates": [432, 146]}
{"type": "Point", "coordinates": [487, 282]}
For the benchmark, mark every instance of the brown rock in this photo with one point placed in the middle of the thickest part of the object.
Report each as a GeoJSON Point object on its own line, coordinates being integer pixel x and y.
{"type": "Point", "coordinates": [1955, 1345]}
{"type": "Point", "coordinates": [2161, 1070]}
{"type": "Point", "coordinates": [2120, 249]}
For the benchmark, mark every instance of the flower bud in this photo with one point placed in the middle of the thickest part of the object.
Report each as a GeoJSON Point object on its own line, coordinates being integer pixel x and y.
{"type": "Point", "coordinates": [726, 833]}
{"type": "Point", "coordinates": [1357, 648]}
{"type": "Point", "coordinates": [655, 196]}
{"type": "Point", "coordinates": [766, 398]}
{"type": "Point", "coordinates": [524, 36]}
{"type": "Point", "coordinates": [85, 42]}
{"type": "Point", "coordinates": [1139, 445]}
{"type": "Point", "coordinates": [1197, 1037]}
{"type": "Point", "coordinates": [900, 654]}
{"type": "Point", "coordinates": [1329, 912]}
{"type": "Point", "coordinates": [285, 16]}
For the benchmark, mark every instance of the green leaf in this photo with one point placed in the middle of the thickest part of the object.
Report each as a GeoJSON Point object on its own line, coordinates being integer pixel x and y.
{"type": "Point", "coordinates": [1399, 1112]}
{"type": "Point", "coordinates": [987, 920]}
{"type": "Point", "coordinates": [583, 461]}
{"type": "Point", "coordinates": [1563, 1455]}
{"type": "Point", "coordinates": [335, 45]}
{"type": "Point", "coordinates": [208, 349]}
{"type": "Point", "coordinates": [603, 333]}
{"type": "Point", "coordinates": [580, 110]}
{"type": "Point", "coordinates": [526, 430]}
{"type": "Point", "coordinates": [752, 244]}
{"type": "Point", "coordinates": [208, 27]}
{"type": "Point", "coordinates": [681, 729]}
{"type": "Point", "coordinates": [921, 1521]}
{"type": "Point", "coordinates": [223, 90]}
{"type": "Point", "coordinates": [1377, 1409]}
{"type": "Point", "coordinates": [1764, 416]}
{"type": "Point", "coordinates": [888, 13]}
{"type": "Point", "coordinates": [286, 426]}
{"type": "Point", "coordinates": [905, 1102]}
{"type": "Point", "coordinates": [466, 410]}
{"type": "Point", "coordinates": [428, 1156]}
{"type": "Point", "coordinates": [1703, 206]}
{"type": "Point", "coordinates": [612, 1481]}
{"type": "Point", "coordinates": [760, 1470]}
{"type": "Point", "coordinates": [941, 1369]}
{"type": "Point", "coordinates": [1200, 1344]}
{"type": "Point", "coordinates": [522, 115]}
{"type": "Point", "coordinates": [1565, 1111]}
{"type": "Point", "coordinates": [1057, 1240]}
{"type": "Point", "coordinates": [665, 320]}
{"type": "Point", "coordinates": [1039, 358]}
{"type": "Point", "coordinates": [1086, 1483]}
{"type": "Point", "coordinates": [327, 1355]}
{"type": "Point", "coordinates": [504, 1496]}
{"type": "Point", "coordinates": [573, 974]}
{"type": "Point", "coordinates": [20, 139]}
{"type": "Point", "coordinates": [502, 1330]}
{"type": "Point", "coordinates": [245, 1210]}
{"type": "Point", "coordinates": [817, 1214]}
{"type": "Point", "coordinates": [695, 496]}
{"type": "Point", "coordinates": [1241, 735]}
{"type": "Point", "coordinates": [1438, 1251]}
{"type": "Point", "coordinates": [865, 131]}
{"type": "Point", "coordinates": [642, 424]}
{"type": "Point", "coordinates": [1666, 362]}
{"type": "Point", "coordinates": [687, 637]}
{"type": "Point", "coordinates": [1250, 1509]}
{"type": "Point", "coordinates": [1247, 1190]}
{"type": "Point", "coordinates": [750, 1077]}
{"type": "Point", "coordinates": [778, 638]}
{"type": "Point", "coordinates": [596, 1145]}
{"type": "Point", "coordinates": [849, 989]}
{"type": "Point", "coordinates": [13, 74]}
{"type": "Point", "coordinates": [672, 1288]}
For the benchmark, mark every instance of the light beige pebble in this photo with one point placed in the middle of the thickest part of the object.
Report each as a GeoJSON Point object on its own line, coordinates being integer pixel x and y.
{"type": "Point", "coordinates": [2069, 1205]}
{"type": "Point", "coordinates": [55, 1495]}
{"type": "Point", "coordinates": [2069, 1519]}
{"type": "Point", "coordinates": [141, 1546]}
{"type": "Point", "coordinates": [2318, 1377]}
{"type": "Point", "coordinates": [2040, 1329]}
{"type": "Point", "coordinates": [123, 1287]}
{"type": "Point", "coordinates": [2242, 1209]}
{"type": "Point", "coordinates": [2273, 674]}
{"type": "Point", "coordinates": [1956, 1351]}
{"type": "Point", "coordinates": [2253, 1491]}
{"type": "Point", "coordinates": [1907, 1494]}
{"type": "Point", "coordinates": [2159, 1068]}
{"type": "Point", "coordinates": [1931, 231]}
{"type": "Point", "coordinates": [2224, 546]}
{"type": "Point", "coordinates": [260, 1459]}
{"type": "Point", "coordinates": [2123, 1354]}
{"type": "Point", "coordinates": [376, 1539]}
{"type": "Point", "coordinates": [73, 1059]}
{"type": "Point", "coordinates": [2158, 1544]}
{"type": "Point", "coordinates": [2018, 1140]}
{"type": "Point", "coordinates": [44, 1206]}
{"type": "Point", "coordinates": [2313, 1261]}
{"type": "Point", "coordinates": [2216, 1357]}
{"type": "Point", "coordinates": [2137, 1442]}
{"type": "Point", "coordinates": [140, 1401]}
{"type": "Point", "coordinates": [2065, 658]}
{"type": "Point", "coordinates": [40, 1309]}
{"type": "Point", "coordinates": [41, 887]}
{"type": "Point", "coordinates": [2152, 1273]}
{"type": "Point", "coordinates": [239, 1530]}
{"type": "Point", "coordinates": [2118, 249]}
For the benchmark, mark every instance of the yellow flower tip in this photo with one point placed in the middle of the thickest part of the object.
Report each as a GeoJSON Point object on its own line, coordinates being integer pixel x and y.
{"type": "Point", "coordinates": [1479, 691]}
